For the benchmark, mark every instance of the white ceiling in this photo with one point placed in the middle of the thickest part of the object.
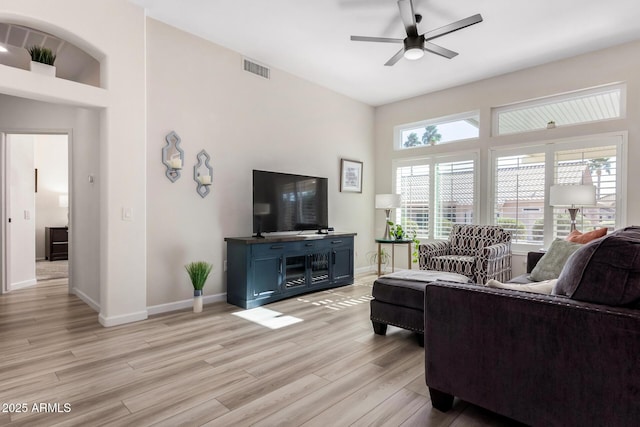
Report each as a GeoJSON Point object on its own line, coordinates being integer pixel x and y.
{"type": "Point", "coordinates": [310, 38]}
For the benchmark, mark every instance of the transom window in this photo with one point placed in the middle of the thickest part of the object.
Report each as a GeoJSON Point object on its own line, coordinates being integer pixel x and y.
{"type": "Point", "coordinates": [437, 131]}
{"type": "Point", "coordinates": [585, 106]}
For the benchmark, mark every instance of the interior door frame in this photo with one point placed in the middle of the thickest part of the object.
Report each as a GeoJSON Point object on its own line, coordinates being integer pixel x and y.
{"type": "Point", "coordinates": [4, 205]}
{"type": "Point", "coordinates": [5, 256]}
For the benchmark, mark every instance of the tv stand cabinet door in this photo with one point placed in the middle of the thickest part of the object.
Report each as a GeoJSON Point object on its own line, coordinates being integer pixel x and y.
{"type": "Point", "coordinates": [266, 277]}
{"type": "Point", "coordinates": [342, 262]}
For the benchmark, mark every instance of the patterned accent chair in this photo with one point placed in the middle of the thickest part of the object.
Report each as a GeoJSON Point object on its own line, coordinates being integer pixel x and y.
{"type": "Point", "coordinates": [480, 252]}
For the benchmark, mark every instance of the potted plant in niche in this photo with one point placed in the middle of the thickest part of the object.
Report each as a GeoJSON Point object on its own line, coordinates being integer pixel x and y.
{"type": "Point", "coordinates": [198, 273]}
{"type": "Point", "coordinates": [42, 60]}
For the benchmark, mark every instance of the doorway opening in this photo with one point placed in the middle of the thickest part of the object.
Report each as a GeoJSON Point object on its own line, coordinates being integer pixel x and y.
{"type": "Point", "coordinates": [36, 208]}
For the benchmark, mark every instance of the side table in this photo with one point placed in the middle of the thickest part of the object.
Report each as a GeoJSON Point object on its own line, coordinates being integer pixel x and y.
{"type": "Point", "coordinates": [393, 243]}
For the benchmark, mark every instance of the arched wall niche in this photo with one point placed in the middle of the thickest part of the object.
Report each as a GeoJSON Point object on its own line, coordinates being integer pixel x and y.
{"type": "Point", "coordinates": [77, 60]}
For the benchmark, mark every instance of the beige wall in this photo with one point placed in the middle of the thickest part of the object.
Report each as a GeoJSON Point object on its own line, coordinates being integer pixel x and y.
{"type": "Point", "coordinates": [245, 122]}
{"type": "Point", "coordinates": [617, 64]}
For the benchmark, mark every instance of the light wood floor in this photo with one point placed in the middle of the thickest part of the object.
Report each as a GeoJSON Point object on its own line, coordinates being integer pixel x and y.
{"type": "Point", "coordinates": [214, 368]}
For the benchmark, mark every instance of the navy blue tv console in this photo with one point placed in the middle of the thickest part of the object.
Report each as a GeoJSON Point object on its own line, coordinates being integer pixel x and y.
{"type": "Point", "coordinates": [260, 271]}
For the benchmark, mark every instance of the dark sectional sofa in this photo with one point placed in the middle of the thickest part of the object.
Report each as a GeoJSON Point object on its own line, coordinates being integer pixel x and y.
{"type": "Point", "coordinates": [570, 359]}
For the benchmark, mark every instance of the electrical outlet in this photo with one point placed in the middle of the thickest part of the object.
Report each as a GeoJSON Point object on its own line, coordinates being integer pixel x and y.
{"type": "Point", "coordinates": [27, 214]}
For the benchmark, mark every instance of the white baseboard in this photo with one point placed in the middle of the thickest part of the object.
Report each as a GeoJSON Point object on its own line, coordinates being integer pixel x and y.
{"type": "Point", "coordinates": [122, 318]}
{"type": "Point", "coordinates": [22, 285]}
{"type": "Point", "coordinates": [88, 300]}
{"type": "Point", "coordinates": [374, 270]}
{"type": "Point", "coordinates": [180, 305]}
{"type": "Point", "coordinates": [364, 270]}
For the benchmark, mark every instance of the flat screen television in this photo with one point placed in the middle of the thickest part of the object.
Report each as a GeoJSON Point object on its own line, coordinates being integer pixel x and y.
{"type": "Point", "coordinates": [287, 202]}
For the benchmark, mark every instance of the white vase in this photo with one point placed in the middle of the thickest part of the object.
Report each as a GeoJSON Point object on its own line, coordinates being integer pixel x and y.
{"type": "Point", "coordinates": [197, 301]}
{"type": "Point", "coordinates": [44, 69]}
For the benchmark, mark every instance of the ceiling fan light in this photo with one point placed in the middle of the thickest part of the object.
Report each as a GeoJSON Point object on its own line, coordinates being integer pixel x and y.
{"type": "Point", "coordinates": [414, 53]}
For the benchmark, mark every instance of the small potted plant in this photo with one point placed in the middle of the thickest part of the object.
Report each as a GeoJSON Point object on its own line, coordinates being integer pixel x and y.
{"type": "Point", "coordinates": [42, 60]}
{"type": "Point", "coordinates": [398, 233]}
{"type": "Point", "coordinates": [383, 256]}
{"type": "Point", "coordinates": [198, 272]}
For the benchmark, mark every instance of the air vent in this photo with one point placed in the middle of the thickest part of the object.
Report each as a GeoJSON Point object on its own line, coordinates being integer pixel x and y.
{"type": "Point", "coordinates": [257, 69]}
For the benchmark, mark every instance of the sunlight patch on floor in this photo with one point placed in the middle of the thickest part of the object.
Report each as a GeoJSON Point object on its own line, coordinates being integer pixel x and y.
{"type": "Point", "coordinates": [267, 318]}
{"type": "Point", "coordinates": [338, 302]}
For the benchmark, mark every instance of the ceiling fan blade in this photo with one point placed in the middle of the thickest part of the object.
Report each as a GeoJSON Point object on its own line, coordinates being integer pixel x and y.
{"type": "Point", "coordinates": [458, 25]}
{"type": "Point", "coordinates": [375, 39]}
{"type": "Point", "coordinates": [395, 58]}
{"type": "Point", "coordinates": [439, 50]}
{"type": "Point", "coordinates": [408, 17]}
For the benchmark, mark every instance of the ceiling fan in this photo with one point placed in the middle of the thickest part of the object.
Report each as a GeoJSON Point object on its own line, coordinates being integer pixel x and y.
{"type": "Point", "coordinates": [416, 44]}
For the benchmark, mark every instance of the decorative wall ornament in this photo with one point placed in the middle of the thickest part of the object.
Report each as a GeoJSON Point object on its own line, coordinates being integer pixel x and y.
{"type": "Point", "coordinates": [173, 156]}
{"type": "Point", "coordinates": [202, 173]}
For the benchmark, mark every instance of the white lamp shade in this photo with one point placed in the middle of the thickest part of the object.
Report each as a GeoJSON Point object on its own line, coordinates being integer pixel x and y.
{"type": "Point", "coordinates": [572, 195]}
{"type": "Point", "coordinates": [387, 201]}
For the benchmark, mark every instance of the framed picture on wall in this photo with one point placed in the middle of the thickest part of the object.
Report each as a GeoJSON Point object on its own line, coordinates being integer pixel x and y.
{"type": "Point", "coordinates": [351, 176]}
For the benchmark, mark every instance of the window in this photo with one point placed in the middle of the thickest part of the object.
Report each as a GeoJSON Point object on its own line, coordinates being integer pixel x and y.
{"type": "Point", "coordinates": [522, 178]}
{"type": "Point", "coordinates": [519, 195]}
{"type": "Point", "coordinates": [413, 183]}
{"type": "Point", "coordinates": [436, 193]}
{"type": "Point", "coordinates": [438, 131]}
{"type": "Point", "coordinates": [589, 105]}
{"type": "Point", "coordinates": [454, 197]}
{"type": "Point", "coordinates": [597, 166]}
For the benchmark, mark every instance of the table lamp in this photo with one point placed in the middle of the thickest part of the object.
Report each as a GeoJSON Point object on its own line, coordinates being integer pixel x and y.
{"type": "Point", "coordinates": [571, 196]}
{"type": "Point", "coordinates": [387, 202]}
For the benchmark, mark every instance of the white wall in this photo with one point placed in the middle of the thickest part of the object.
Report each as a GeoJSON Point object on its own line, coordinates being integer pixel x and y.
{"type": "Point", "coordinates": [18, 114]}
{"type": "Point", "coordinates": [245, 122]}
{"type": "Point", "coordinates": [617, 64]}
{"type": "Point", "coordinates": [52, 162]}
{"type": "Point", "coordinates": [21, 201]}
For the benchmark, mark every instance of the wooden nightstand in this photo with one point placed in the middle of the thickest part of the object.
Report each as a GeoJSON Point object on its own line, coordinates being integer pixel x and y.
{"type": "Point", "coordinates": [56, 243]}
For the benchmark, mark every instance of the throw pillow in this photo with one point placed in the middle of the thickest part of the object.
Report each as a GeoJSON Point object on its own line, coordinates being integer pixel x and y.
{"type": "Point", "coordinates": [577, 237]}
{"type": "Point", "coordinates": [551, 263]}
{"type": "Point", "coordinates": [536, 287]}
{"type": "Point", "coordinates": [605, 271]}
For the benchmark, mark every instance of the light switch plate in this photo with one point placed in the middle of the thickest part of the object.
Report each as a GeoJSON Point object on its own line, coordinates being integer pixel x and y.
{"type": "Point", "coordinates": [127, 214]}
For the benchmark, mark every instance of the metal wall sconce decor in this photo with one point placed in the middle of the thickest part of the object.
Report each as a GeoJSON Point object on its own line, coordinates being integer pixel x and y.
{"type": "Point", "coordinates": [202, 173]}
{"type": "Point", "coordinates": [173, 156]}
